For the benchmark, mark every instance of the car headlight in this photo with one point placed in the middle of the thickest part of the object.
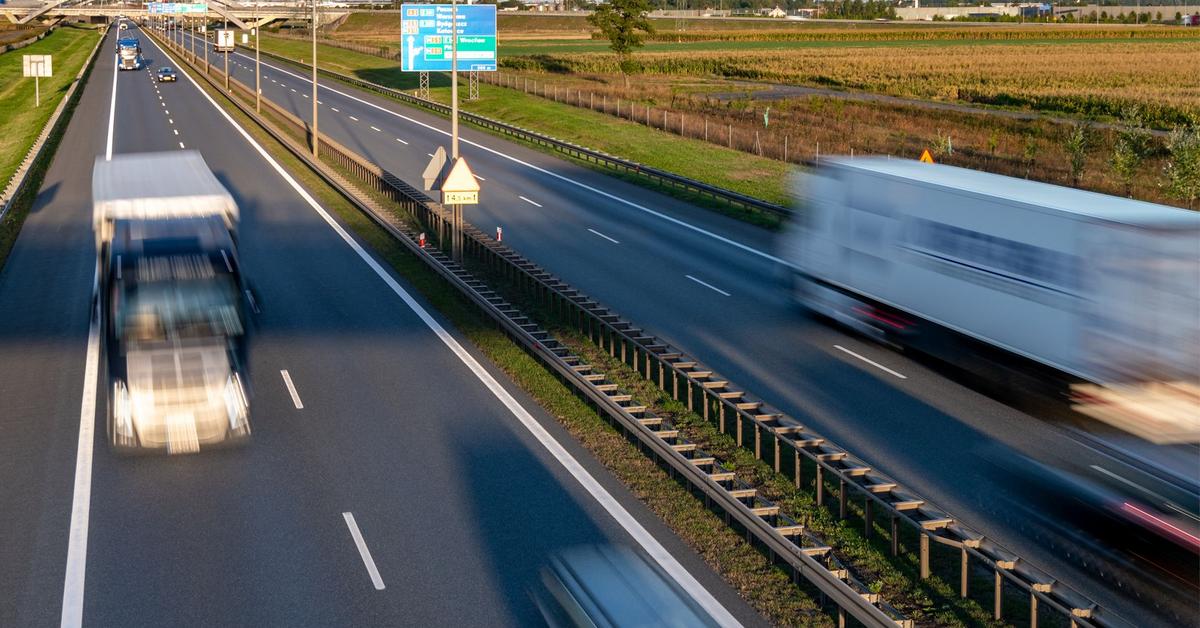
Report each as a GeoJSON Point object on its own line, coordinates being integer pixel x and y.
{"type": "Point", "coordinates": [122, 411]}
{"type": "Point", "coordinates": [236, 405]}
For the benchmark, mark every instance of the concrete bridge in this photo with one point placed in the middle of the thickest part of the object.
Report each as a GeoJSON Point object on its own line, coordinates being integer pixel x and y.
{"type": "Point", "coordinates": [242, 16]}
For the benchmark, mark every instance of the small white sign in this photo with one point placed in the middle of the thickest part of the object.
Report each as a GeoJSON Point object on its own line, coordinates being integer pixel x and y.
{"type": "Point", "coordinates": [245, 38]}
{"type": "Point", "coordinates": [36, 66]}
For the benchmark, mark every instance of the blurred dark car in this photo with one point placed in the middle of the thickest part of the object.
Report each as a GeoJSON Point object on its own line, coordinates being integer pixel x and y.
{"type": "Point", "coordinates": [166, 74]}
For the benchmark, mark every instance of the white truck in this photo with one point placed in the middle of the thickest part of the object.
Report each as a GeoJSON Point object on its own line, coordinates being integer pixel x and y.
{"type": "Point", "coordinates": [1012, 279]}
{"type": "Point", "coordinates": [171, 303]}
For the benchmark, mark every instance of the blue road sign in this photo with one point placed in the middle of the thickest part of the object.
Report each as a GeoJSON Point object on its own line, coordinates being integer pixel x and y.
{"type": "Point", "coordinates": [425, 37]}
{"type": "Point", "coordinates": [171, 8]}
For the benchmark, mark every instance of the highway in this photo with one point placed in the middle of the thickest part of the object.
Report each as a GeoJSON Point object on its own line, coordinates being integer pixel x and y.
{"type": "Point", "coordinates": [708, 285]}
{"type": "Point", "coordinates": [394, 477]}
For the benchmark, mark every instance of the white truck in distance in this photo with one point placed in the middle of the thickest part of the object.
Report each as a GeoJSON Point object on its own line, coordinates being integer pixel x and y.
{"type": "Point", "coordinates": [171, 303]}
{"type": "Point", "coordinates": [1011, 278]}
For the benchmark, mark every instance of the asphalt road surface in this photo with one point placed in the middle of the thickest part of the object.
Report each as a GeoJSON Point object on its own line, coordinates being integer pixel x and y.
{"type": "Point", "coordinates": [709, 285]}
{"type": "Point", "coordinates": [391, 480]}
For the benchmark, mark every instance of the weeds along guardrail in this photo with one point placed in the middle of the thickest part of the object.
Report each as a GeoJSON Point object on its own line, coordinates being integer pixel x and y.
{"type": "Point", "coordinates": [786, 540]}
{"type": "Point", "coordinates": [20, 178]}
{"type": "Point", "coordinates": [810, 460]}
{"type": "Point", "coordinates": [662, 177]}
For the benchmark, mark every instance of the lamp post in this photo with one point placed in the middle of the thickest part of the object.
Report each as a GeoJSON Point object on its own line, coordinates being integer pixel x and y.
{"type": "Point", "coordinates": [315, 139]}
{"type": "Point", "coordinates": [257, 71]}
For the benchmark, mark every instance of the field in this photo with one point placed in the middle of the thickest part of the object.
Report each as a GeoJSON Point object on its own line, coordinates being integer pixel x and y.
{"type": "Point", "coordinates": [22, 121]}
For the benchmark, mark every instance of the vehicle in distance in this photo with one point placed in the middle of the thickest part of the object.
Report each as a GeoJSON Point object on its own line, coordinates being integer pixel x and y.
{"type": "Point", "coordinates": [603, 586]}
{"type": "Point", "coordinates": [223, 41]}
{"type": "Point", "coordinates": [166, 74]}
{"type": "Point", "coordinates": [1019, 282]}
{"type": "Point", "coordinates": [171, 303]}
{"type": "Point", "coordinates": [129, 53]}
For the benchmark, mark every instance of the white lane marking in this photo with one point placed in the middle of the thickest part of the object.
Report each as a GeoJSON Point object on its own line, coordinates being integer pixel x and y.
{"type": "Point", "coordinates": [304, 95]}
{"type": "Point", "coordinates": [593, 189]}
{"type": "Point", "coordinates": [287, 380]}
{"type": "Point", "coordinates": [430, 154]}
{"type": "Point", "coordinates": [76, 569]}
{"type": "Point", "coordinates": [871, 362]}
{"type": "Point", "coordinates": [176, 131]}
{"type": "Point", "coordinates": [534, 203]}
{"type": "Point", "coordinates": [170, 121]}
{"type": "Point", "coordinates": [168, 112]}
{"type": "Point", "coordinates": [353, 118]}
{"type": "Point", "coordinates": [589, 483]}
{"type": "Point", "coordinates": [1163, 500]}
{"type": "Point", "coordinates": [320, 102]}
{"type": "Point", "coordinates": [374, 128]}
{"type": "Point", "coordinates": [402, 141]}
{"type": "Point", "coordinates": [707, 285]}
{"type": "Point", "coordinates": [478, 177]}
{"type": "Point", "coordinates": [603, 236]}
{"type": "Point", "coordinates": [251, 301]}
{"type": "Point", "coordinates": [293, 90]}
{"type": "Point", "coordinates": [334, 109]}
{"type": "Point", "coordinates": [181, 144]}
{"type": "Point", "coordinates": [112, 111]}
{"type": "Point", "coordinates": [363, 551]}
{"type": "Point", "coordinates": [162, 103]}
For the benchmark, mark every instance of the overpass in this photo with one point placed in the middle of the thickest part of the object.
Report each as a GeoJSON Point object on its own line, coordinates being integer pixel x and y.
{"type": "Point", "coordinates": [243, 17]}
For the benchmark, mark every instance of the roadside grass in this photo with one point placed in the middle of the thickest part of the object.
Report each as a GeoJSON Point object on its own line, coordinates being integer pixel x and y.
{"type": "Point", "coordinates": [10, 225]}
{"type": "Point", "coordinates": [764, 585]}
{"type": "Point", "coordinates": [20, 119]}
{"type": "Point", "coordinates": [731, 169]}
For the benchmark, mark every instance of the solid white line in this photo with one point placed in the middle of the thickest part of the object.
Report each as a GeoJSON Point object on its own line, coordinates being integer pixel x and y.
{"type": "Point", "coordinates": [112, 111]}
{"type": "Point", "coordinates": [603, 236]}
{"type": "Point", "coordinates": [593, 189]}
{"type": "Point", "coordinates": [374, 128]}
{"type": "Point", "coordinates": [534, 203]}
{"type": "Point", "coordinates": [707, 285]}
{"type": "Point", "coordinates": [76, 569]}
{"type": "Point", "coordinates": [402, 141]}
{"type": "Point", "coordinates": [287, 380]}
{"type": "Point", "coordinates": [871, 362]}
{"type": "Point", "coordinates": [589, 483]}
{"type": "Point", "coordinates": [353, 118]}
{"type": "Point", "coordinates": [363, 551]}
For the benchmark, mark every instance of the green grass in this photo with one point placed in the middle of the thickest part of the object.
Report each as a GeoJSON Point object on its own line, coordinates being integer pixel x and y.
{"type": "Point", "coordinates": [21, 121]}
{"type": "Point", "coordinates": [764, 585]}
{"type": "Point", "coordinates": [10, 225]}
{"type": "Point", "coordinates": [735, 170]}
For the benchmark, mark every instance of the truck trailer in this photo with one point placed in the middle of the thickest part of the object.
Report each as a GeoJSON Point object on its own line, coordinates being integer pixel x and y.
{"type": "Point", "coordinates": [171, 303]}
{"type": "Point", "coordinates": [1013, 280]}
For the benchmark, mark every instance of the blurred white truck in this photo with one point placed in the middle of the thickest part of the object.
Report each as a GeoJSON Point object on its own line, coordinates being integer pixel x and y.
{"type": "Point", "coordinates": [1011, 279]}
{"type": "Point", "coordinates": [171, 303]}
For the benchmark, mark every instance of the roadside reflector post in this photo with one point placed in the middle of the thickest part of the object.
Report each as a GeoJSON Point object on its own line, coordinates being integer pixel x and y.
{"type": "Point", "coordinates": [421, 240]}
{"type": "Point", "coordinates": [499, 234]}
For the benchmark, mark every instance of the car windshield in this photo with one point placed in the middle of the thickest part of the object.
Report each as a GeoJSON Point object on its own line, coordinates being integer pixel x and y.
{"type": "Point", "coordinates": [158, 308]}
{"type": "Point", "coordinates": [166, 71]}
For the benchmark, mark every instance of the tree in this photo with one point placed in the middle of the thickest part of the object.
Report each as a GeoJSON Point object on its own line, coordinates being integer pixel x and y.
{"type": "Point", "coordinates": [1131, 148]}
{"type": "Point", "coordinates": [622, 22]}
{"type": "Point", "coordinates": [1077, 144]}
{"type": "Point", "coordinates": [1183, 165]}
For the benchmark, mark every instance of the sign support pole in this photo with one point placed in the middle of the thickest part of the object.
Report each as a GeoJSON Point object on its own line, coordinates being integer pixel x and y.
{"type": "Point", "coordinates": [315, 137]}
{"type": "Point", "coordinates": [456, 241]}
{"type": "Point", "coordinates": [257, 71]}
{"type": "Point", "coordinates": [227, 60]}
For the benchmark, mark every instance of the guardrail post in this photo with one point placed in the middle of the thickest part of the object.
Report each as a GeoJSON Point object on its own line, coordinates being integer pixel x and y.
{"type": "Point", "coordinates": [962, 583]}
{"type": "Point", "coordinates": [799, 467]}
{"type": "Point", "coordinates": [924, 556]}
{"type": "Point", "coordinates": [758, 441]}
{"type": "Point", "coordinates": [820, 484]}
{"type": "Point", "coordinates": [690, 404]}
{"type": "Point", "coordinates": [841, 498]}
{"type": "Point", "coordinates": [996, 594]}
{"type": "Point", "coordinates": [868, 517]}
{"type": "Point", "coordinates": [739, 429]}
{"type": "Point", "coordinates": [1033, 609]}
{"type": "Point", "coordinates": [895, 535]}
{"type": "Point", "coordinates": [841, 617]}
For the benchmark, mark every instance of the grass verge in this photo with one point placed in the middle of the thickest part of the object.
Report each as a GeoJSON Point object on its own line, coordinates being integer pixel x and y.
{"type": "Point", "coordinates": [764, 585]}
{"type": "Point", "coordinates": [10, 225]}
{"type": "Point", "coordinates": [20, 119]}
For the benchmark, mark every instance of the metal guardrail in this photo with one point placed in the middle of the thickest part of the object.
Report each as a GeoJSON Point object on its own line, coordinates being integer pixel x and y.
{"type": "Point", "coordinates": [775, 438]}
{"type": "Point", "coordinates": [662, 177]}
{"type": "Point", "coordinates": [20, 178]}
{"type": "Point", "coordinates": [786, 539]}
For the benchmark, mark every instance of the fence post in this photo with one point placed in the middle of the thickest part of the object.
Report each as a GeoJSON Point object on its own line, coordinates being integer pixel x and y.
{"type": "Point", "coordinates": [785, 148]}
{"type": "Point", "coordinates": [706, 128]}
{"type": "Point", "coordinates": [731, 135]}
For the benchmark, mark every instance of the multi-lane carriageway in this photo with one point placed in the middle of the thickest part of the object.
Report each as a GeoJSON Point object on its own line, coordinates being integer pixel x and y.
{"type": "Point", "coordinates": [709, 285]}
{"type": "Point", "coordinates": [394, 478]}
{"type": "Point", "coordinates": [426, 464]}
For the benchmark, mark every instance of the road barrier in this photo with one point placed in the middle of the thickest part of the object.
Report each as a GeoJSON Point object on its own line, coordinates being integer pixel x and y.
{"type": "Point", "coordinates": [810, 460]}
{"type": "Point", "coordinates": [21, 177]}
{"type": "Point", "coordinates": [662, 177]}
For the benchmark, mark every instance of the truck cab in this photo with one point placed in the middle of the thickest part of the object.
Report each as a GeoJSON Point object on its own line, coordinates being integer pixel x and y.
{"type": "Point", "coordinates": [129, 54]}
{"type": "Point", "coordinates": [174, 335]}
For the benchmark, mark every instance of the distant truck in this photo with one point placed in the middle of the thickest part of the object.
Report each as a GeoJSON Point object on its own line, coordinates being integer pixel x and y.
{"type": "Point", "coordinates": [171, 303]}
{"type": "Point", "coordinates": [129, 53]}
{"type": "Point", "coordinates": [224, 41]}
{"type": "Point", "coordinates": [1020, 282]}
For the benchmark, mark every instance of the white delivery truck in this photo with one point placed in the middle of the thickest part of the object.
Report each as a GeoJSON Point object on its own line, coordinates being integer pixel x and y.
{"type": "Point", "coordinates": [1007, 278]}
{"type": "Point", "coordinates": [171, 303]}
